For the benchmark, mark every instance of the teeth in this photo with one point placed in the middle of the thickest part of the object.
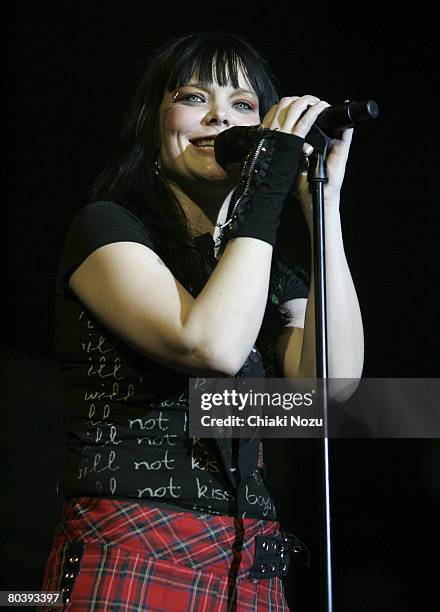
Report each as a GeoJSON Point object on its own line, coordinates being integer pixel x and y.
{"type": "Point", "coordinates": [205, 142]}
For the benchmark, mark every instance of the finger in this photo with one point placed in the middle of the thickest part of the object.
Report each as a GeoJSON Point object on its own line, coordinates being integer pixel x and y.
{"type": "Point", "coordinates": [347, 136]}
{"type": "Point", "coordinates": [271, 120]}
{"type": "Point", "coordinates": [341, 144]}
{"type": "Point", "coordinates": [272, 112]}
{"type": "Point", "coordinates": [301, 125]}
{"type": "Point", "coordinates": [290, 113]}
{"type": "Point", "coordinates": [268, 117]}
{"type": "Point", "coordinates": [307, 149]}
{"type": "Point", "coordinates": [303, 166]}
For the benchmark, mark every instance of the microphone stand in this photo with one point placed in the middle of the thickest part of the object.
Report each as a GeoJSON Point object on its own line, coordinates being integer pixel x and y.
{"type": "Point", "coordinates": [317, 177]}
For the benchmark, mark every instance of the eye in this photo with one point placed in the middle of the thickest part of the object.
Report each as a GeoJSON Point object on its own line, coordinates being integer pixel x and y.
{"type": "Point", "coordinates": [243, 105]}
{"type": "Point", "coordinates": [192, 97]}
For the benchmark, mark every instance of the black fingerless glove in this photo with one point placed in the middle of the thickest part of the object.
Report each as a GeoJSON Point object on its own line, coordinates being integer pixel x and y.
{"type": "Point", "coordinates": [268, 173]}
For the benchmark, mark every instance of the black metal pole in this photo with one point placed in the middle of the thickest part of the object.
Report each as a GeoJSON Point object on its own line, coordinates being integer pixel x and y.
{"type": "Point", "coordinates": [337, 118]}
{"type": "Point", "coordinates": [317, 177]}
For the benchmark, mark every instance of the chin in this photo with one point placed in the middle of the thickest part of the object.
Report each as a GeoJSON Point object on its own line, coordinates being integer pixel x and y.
{"type": "Point", "coordinates": [208, 173]}
{"type": "Point", "coordinates": [217, 180]}
{"type": "Point", "coordinates": [215, 176]}
{"type": "Point", "coordinates": [211, 172]}
{"type": "Point", "coordinates": [217, 173]}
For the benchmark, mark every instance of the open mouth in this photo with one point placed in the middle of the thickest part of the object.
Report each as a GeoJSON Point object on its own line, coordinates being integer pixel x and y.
{"type": "Point", "coordinates": [203, 143]}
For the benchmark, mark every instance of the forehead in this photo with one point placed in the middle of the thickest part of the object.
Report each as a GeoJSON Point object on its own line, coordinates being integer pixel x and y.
{"type": "Point", "coordinates": [236, 79]}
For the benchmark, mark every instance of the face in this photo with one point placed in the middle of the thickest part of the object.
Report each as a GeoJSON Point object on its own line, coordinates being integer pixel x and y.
{"type": "Point", "coordinates": [190, 119]}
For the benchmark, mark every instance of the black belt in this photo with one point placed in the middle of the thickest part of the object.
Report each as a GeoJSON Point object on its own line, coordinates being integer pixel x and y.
{"type": "Point", "coordinates": [72, 560]}
{"type": "Point", "coordinates": [274, 553]}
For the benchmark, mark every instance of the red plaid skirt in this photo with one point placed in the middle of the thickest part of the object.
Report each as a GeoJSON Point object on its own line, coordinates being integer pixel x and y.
{"type": "Point", "coordinates": [137, 557]}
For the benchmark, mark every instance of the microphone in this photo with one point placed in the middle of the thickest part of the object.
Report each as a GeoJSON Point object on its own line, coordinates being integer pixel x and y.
{"type": "Point", "coordinates": [335, 119]}
{"type": "Point", "coordinates": [231, 145]}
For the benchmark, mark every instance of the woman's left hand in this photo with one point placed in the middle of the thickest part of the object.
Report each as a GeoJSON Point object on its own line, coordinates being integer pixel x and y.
{"type": "Point", "coordinates": [336, 162]}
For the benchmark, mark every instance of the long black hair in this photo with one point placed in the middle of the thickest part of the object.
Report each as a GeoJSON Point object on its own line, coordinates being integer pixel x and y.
{"type": "Point", "coordinates": [130, 178]}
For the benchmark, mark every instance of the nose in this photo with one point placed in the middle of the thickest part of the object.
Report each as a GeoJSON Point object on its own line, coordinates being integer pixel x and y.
{"type": "Point", "coordinates": [217, 116]}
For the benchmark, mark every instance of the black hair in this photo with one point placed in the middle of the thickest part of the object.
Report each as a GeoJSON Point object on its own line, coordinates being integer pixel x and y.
{"type": "Point", "coordinates": [130, 178]}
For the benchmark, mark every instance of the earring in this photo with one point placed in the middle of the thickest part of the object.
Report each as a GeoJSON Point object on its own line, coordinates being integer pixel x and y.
{"type": "Point", "coordinates": [156, 167]}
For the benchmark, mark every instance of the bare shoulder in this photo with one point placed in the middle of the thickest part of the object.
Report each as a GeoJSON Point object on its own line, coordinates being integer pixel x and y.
{"type": "Point", "coordinates": [129, 288]}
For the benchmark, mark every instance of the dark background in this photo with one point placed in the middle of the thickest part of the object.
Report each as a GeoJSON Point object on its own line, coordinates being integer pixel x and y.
{"type": "Point", "coordinates": [70, 73]}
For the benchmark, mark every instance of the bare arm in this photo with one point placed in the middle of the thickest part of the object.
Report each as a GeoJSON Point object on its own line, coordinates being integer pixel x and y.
{"type": "Point", "coordinates": [296, 346]}
{"type": "Point", "coordinates": [345, 330]}
{"type": "Point", "coordinates": [135, 295]}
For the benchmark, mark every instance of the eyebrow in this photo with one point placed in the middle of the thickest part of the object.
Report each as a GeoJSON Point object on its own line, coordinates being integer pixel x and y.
{"type": "Point", "coordinates": [205, 86]}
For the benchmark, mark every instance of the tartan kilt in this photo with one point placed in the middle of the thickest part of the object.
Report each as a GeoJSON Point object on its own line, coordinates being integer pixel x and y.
{"type": "Point", "coordinates": [137, 557]}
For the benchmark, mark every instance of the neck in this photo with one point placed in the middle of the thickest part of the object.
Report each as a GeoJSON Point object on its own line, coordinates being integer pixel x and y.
{"type": "Point", "coordinates": [203, 211]}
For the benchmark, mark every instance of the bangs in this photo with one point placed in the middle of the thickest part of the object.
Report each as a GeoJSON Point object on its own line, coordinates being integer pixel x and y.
{"type": "Point", "coordinates": [219, 65]}
{"type": "Point", "coordinates": [219, 57]}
